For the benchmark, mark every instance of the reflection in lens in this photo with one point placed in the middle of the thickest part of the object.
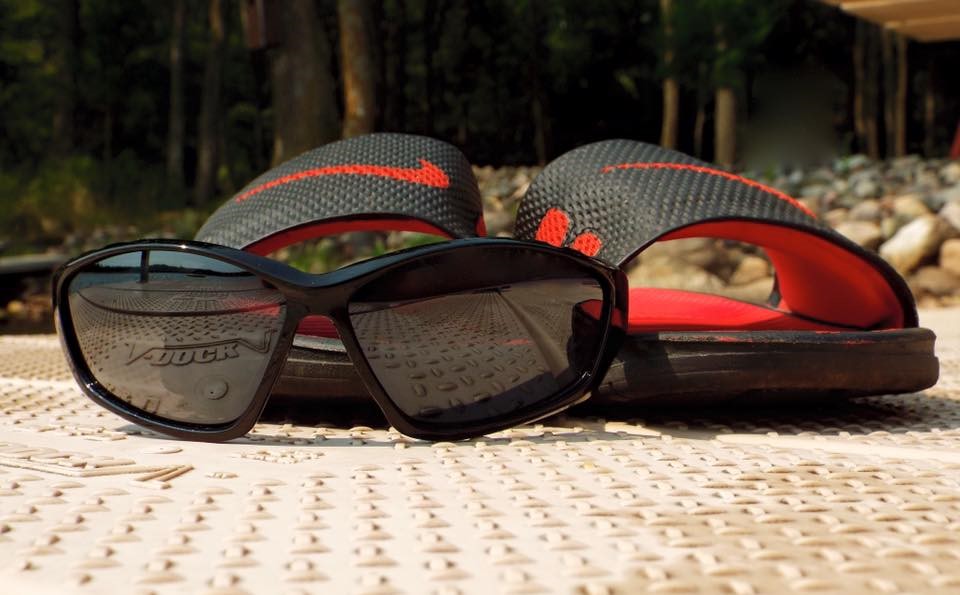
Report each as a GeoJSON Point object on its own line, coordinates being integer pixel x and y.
{"type": "Point", "coordinates": [182, 336]}
{"type": "Point", "coordinates": [479, 353]}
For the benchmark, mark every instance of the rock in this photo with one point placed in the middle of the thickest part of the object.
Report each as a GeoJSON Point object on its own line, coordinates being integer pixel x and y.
{"type": "Point", "coordinates": [889, 226]}
{"type": "Point", "coordinates": [673, 274]}
{"type": "Point", "coordinates": [864, 233]}
{"type": "Point", "coordinates": [755, 292]}
{"type": "Point", "coordinates": [814, 191]}
{"type": "Point", "coordinates": [820, 175]}
{"type": "Point", "coordinates": [856, 162]}
{"type": "Point", "coordinates": [907, 162]}
{"type": "Point", "coordinates": [750, 269]}
{"type": "Point", "coordinates": [835, 217]}
{"type": "Point", "coordinates": [937, 200]}
{"type": "Point", "coordinates": [909, 207]}
{"type": "Point", "coordinates": [795, 178]}
{"type": "Point", "coordinates": [934, 281]}
{"type": "Point", "coordinates": [866, 187]}
{"type": "Point", "coordinates": [813, 204]}
{"type": "Point", "coordinates": [867, 210]}
{"type": "Point", "coordinates": [951, 214]}
{"type": "Point", "coordinates": [499, 222]}
{"type": "Point", "coordinates": [915, 242]}
{"type": "Point", "coordinates": [950, 173]}
{"type": "Point", "coordinates": [926, 179]}
{"type": "Point", "coordinates": [704, 253]}
{"type": "Point", "coordinates": [950, 256]}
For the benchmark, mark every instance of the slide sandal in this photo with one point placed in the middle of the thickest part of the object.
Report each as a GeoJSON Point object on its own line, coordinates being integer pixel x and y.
{"type": "Point", "coordinates": [377, 182]}
{"type": "Point", "coordinates": [840, 322]}
{"type": "Point", "coordinates": [684, 347]}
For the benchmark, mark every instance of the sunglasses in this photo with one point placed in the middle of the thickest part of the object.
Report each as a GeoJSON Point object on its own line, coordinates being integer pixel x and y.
{"type": "Point", "coordinates": [452, 340]}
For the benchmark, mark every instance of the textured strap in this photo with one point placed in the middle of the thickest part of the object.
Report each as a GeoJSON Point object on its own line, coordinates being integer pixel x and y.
{"type": "Point", "coordinates": [611, 199]}
{"type": "Point", "coordinates": [375, 182]}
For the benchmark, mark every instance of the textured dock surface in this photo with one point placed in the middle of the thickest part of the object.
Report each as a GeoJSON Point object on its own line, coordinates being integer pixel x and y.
{"type": "Point", "coordinates": [858, 497]}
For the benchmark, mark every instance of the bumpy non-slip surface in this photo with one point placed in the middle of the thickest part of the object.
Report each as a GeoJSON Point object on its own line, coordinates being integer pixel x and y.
{"type": "Point", "coordinates": [860, 497]}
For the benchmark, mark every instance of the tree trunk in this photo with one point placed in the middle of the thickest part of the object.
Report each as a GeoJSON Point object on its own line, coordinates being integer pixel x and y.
{"type": "Point", "coordinates": [900, 111]}
{"type": "Point", "coordinates": [703, 98]}
{"type": "Point", "coordinates": [538, 98]}
{"type": "Point", "coordinates": [725, 122]}
{"type": "Point", "coordinates": [357, 66]}
{"type": "Point", "coordinates": [430, 43]}
{"type": "Point", "coordinates": [175, 121]}
{"type": "Point", "coordinates": [66, 60]}
{"type": "Point", "coordinates": [872, 95]}
{"type": "Point", "coordinates": [108, 149]}
{"type": "Point", "coordinates": [207, 153]}
{"type": "Point", "coordinates": [699, 126]}
{"type": "Point", "coordinates": [671, 99]}
{"type": "Point", "coordinates": [395, 69]}
{"type": "Point", "coordinates": [859, 84]}
{"type": "Point", "coordinates": [725, 109]}
{"type": "Point", "coordinates": [671, 113]}
{"type": "Point", "coordinates": [929, 109]}
{"type": "Point", "coordinates": [304, 95]}
{"type": "Point", "coordinates": [889, 92]}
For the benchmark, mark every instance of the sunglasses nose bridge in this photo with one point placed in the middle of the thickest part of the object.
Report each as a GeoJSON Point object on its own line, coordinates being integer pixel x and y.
{"type": "Point", "coordinates": [323, 300]}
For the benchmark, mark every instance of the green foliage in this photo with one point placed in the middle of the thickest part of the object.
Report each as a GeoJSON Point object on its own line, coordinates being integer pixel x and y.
{"type": "Point", "coordinates": [714, 41]}
{"type": "Point", "coordinates": [59, 198]}
{"type": "Point", "coordinates": [506, 80]}
{"type": "Point", "coordinates": [25, 79]}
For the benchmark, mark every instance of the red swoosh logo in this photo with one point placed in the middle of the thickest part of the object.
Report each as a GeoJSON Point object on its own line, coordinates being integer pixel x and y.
{"type": "Point", "coordinates": [427, 174]}
{"type": "Point", "coordinates": [713, 172]}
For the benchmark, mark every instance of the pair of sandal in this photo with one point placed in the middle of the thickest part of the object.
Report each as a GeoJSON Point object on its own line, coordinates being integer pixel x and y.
{"type": "Point", "coordinates": [839, 323]}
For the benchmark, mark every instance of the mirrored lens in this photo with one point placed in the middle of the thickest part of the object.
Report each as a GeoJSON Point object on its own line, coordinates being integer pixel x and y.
{"type": "Point", "coordinates": [447, 348]}
{"type": "Point", "coordinates": [181, 336]}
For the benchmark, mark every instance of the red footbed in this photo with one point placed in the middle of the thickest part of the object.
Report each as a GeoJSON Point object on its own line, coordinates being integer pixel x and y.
{"type": "Point", "coordinates": [652, 310]}
{"type": "Point", "coordinates": [817, 280]}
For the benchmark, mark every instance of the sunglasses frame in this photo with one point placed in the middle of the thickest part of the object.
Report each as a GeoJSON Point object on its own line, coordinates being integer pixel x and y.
{"type": "Point", "coordinates": [329, 295]}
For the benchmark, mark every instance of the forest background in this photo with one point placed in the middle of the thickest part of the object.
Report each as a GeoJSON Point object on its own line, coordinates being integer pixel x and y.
{"type": "Point", "coordinates": [149, 114]}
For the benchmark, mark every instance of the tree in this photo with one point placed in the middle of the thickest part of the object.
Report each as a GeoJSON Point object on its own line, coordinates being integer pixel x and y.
{"type": "Point", "coordinates": [725, 34]}
{"type": "Point", "coordinates": [864, 98]}
{"type": "Point", "coordinates": [900, 109]}
{"type": "Point", "coordinates": [304, 94]}
{"type": "Point", "coordinates": [175, 119]}
{"type": "Point", "coordinates": [671, 91]}
{"type": "Point", "coordinates": [209, 124]}
{"type": "Point", "coordinates": [358, 67]}
{"type": "Point", "coordinates": [66, 58]}
{"type": "Point", "coordinates": [392, 91]}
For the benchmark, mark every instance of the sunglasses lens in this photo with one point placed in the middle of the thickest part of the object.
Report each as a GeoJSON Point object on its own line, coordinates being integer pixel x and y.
{"type": "Point", "coordinates": [458, 339]}
{"type": "Point", "coordinates": [180, 336]}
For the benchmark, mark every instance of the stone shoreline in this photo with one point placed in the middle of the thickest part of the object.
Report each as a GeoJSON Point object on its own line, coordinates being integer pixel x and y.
{"type": "Point", "coordinates": [907, 210]}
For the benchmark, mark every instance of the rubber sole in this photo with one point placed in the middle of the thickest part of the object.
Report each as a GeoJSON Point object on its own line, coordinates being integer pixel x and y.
{"type": "Point", "coordinates": [683, 368]}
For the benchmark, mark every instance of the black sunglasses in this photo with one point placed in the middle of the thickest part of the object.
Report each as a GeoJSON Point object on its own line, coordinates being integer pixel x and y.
{"type": "Point", "coordinates": [453, 340]}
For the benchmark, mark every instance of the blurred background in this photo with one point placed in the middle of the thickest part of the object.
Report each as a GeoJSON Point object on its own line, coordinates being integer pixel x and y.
{"type": "Point", "coordinates": [131, 119]}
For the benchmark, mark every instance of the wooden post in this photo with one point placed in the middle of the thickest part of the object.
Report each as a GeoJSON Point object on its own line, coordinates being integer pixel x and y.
{"type": "Point", "coordinates": [671, 93]}
{"type": "Point", "coordinates": [725, 116]}
{"type": "Point", "coordinates": [859, 85]}
{"type": "Point", "coordinates": [929, 109]}
{"type": "Point", "coordinates": [889, 92]}
{"type": "Point", "coordinates": [900, 111]}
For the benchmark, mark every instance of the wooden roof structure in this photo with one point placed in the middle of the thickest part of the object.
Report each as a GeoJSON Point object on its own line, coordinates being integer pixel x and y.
{"type": "Point", "coordinates": [920, 20]}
